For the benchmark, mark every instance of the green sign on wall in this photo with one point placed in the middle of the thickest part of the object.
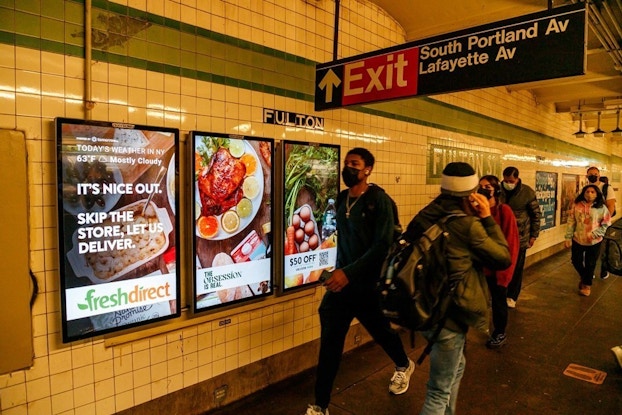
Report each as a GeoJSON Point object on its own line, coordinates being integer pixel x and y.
{"type": "Point", "coordinates": [484, 162]}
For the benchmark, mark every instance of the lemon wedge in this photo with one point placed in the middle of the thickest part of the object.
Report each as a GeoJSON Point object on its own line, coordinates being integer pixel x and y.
{"type": "Point", "coordinates": [250, 187]}
{"type": "Point", "coordinates": [236, 147]}
{"type": "Point", "coordinates": [244, 208]}
{"type": "Point", "coordinates": [230, 221]}
{"type": "Point", "coordinates": [197, 211]}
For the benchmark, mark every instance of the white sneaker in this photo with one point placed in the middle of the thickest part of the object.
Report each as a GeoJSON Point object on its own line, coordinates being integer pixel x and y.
{"type": "Point", "coordinates": [511, 302]}
{"type": "Point", "coordinates": [316, 410]}
{"type": "Point", "coordinates": [617, 352]}
{"type": "Point", "coordinates": [401, 379]}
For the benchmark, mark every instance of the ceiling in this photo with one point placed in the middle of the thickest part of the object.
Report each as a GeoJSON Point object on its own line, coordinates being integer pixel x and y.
{"type": "Point", "coordinates": [600, 89]}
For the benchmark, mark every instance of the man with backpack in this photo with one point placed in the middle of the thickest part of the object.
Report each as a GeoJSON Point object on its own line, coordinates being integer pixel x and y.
{"type": "Point", "coordinates": [593, 177]}
{"type": "Point", "coordinates": [365, 227]}
{"type": "Point", "coordinates": [474, 240]}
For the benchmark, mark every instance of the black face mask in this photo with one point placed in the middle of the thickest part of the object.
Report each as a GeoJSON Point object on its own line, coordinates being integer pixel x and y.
{"type": "Point", "coordinates": [485, 192]}
{"type": "Point", "coordinates": [350, 176]}
{"type": "Point", "coordinates": [592, 178]}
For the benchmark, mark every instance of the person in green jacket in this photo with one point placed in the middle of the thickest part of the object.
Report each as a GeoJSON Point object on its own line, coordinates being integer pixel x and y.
{"type": "Point", "coordinates": [475, 240]}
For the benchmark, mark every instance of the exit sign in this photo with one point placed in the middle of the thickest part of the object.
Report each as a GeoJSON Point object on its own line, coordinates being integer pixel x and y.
{"type": "Point", "coordinates": [544, 45]}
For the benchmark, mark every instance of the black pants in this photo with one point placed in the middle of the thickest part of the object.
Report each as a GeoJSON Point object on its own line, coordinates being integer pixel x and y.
{"type": "Point", "coordinates": [337, 311]}
{"type": "Point", "coordinates": [584, 259]}
{"type": "Point", "coordinates": [498, 295]}
{"type": "Point", "coordinates": [517, 279]}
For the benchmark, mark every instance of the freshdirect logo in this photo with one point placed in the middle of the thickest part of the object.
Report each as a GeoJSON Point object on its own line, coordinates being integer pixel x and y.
{"type": "Point", "coordinates": [93, 302]}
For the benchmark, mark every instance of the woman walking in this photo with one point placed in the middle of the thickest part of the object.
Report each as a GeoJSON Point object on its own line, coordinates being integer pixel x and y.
{"type": "Point", "coordinates": [587, 222]}
{"type": "Point", "coordinates": [498, 280]}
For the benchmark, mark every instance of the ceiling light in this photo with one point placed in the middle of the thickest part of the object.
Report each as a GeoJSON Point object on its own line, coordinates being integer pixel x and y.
{"type": "Point", "coordinates": [580, 133]}
{"type": "Point", "coordinates": [617, 132]}
{"type": "Point", "coordinates": [598, 132]}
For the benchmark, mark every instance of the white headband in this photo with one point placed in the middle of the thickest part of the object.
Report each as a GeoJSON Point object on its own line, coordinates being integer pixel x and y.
{"type": "Point", "coordinates": [459, 185]}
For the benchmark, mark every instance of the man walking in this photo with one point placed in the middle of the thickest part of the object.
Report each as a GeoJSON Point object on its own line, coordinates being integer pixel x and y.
{"type": "Point", "coordinates": [475, 240]}
{"type": "Point", "coordinates": [365, 227]}
{"type": "Point", "coordinates": [522, 200]}
{"type": "Point", "coordinates": [593, 177]}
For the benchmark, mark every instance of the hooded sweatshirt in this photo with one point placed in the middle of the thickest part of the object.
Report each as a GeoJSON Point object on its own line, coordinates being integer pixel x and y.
{"type": "Point", "coordinates": [587, 224]}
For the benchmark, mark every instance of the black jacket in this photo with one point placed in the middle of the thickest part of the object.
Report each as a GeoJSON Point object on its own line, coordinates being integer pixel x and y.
{"type": "Point", "coordinates": [364, 238]}
{"type": "Point", "coordinates": [522, 200]}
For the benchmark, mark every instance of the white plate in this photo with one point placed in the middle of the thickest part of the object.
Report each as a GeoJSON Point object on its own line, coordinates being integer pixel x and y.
{"type": "Point", "coordinates": [110, 200]}
{"type": "Point", "coordinates": [256, 201]}
{"type": "Point", "coordinates": [82, 268]}
{"type": "Point", "coordinates": [170, 183]}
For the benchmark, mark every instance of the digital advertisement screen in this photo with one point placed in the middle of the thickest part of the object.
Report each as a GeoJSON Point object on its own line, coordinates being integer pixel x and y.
{"type": "Point", "coordinates": [546, 193]}
{"type": "Point", "coordinates": [311, 186]}
{"type": "Point", "coordinates": [232, 209]}
{"type": "Point", "coordinates": [118, 229]}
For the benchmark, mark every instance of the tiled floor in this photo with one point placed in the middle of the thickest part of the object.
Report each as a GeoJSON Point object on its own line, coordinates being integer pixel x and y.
{"type": "Point", "coordinates": [551, 328]}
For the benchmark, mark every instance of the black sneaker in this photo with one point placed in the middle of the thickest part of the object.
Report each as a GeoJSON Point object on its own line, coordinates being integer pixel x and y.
{"type": "Point", "coordinates": [496, 341]}
{"type": "Point", "coordinates": [604, 276]}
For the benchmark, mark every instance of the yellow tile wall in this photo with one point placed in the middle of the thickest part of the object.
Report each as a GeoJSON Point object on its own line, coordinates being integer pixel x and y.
{"type": "Point", "coordinates": [92, 377]}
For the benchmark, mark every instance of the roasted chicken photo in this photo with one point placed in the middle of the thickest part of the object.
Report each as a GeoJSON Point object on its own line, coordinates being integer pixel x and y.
{"type": "Point", "coordinates": [220, 183]}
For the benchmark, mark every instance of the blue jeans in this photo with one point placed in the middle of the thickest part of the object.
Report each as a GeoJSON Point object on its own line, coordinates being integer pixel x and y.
{"type": "Point", "coordinates": [447, 363]}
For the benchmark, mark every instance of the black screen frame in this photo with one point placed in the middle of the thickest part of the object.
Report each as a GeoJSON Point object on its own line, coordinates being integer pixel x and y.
{"type": "Point", "coordinates": [197, 304]}
{"type": "Point", "coordinates": [83, 328]}
{"type": "Point", "coordinates": [284, 220]}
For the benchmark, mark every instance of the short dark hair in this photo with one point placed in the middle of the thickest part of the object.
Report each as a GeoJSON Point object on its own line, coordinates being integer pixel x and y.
{"type": "Point", "coordinates": [510, 171]}
{"type": "Point", "coordinates": [365, 154]}
{"type": "Point", "coordinates": [593, 168]}
{"type": "Point", "coordinates": [598, 202]}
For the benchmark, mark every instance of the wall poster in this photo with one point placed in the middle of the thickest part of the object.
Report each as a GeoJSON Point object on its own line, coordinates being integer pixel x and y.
{"type": "Point", "coordinates": [118, 231]}
{"type": "Point", "coordinates": [546, 193]}
{"type": "Point", "coordinates": [233, 214]}
{"type": "Point", "coordinates": [570, 189]}
{"type": "Point", "coordinates": [311, 186]}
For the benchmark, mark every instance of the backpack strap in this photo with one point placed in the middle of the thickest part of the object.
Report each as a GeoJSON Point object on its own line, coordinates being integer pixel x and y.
{"type": "Point", "coordinates": [397, 226]}
{"type": "Point", "coordinates": [370, 196]}
{"type": "Point", "coordinates": [446, 298]}
{"type": "Point", "coordinates": [437, 329]}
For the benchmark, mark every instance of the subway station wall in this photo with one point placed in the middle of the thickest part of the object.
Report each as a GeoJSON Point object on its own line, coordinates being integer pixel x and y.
{"type": "Point", "coordinates": [214, 66]}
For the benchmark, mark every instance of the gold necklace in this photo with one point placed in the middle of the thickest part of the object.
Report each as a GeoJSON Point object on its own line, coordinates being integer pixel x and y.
{"type": "Point", "coordinates": [349, 206]}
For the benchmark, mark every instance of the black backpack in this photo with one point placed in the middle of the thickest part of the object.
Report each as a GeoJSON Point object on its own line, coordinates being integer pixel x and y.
{"type": "Point", "coordinates": [612, 260]}
{"type": "Point", "coordinates": [415, 287]}
{"type": "Point", "coordinates": [605, 189]}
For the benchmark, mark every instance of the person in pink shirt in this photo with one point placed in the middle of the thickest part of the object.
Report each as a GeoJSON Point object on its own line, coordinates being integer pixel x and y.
{"type": "Point", "coordinates": [588, 220]}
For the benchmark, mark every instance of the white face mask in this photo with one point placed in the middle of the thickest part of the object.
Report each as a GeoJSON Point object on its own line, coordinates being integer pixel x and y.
{"type": "Point", "coordinates": [509, 186]}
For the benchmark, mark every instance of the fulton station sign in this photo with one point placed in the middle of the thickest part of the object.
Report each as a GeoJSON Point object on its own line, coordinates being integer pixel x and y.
{"type": "Point", "coordinates": [544, 45]}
